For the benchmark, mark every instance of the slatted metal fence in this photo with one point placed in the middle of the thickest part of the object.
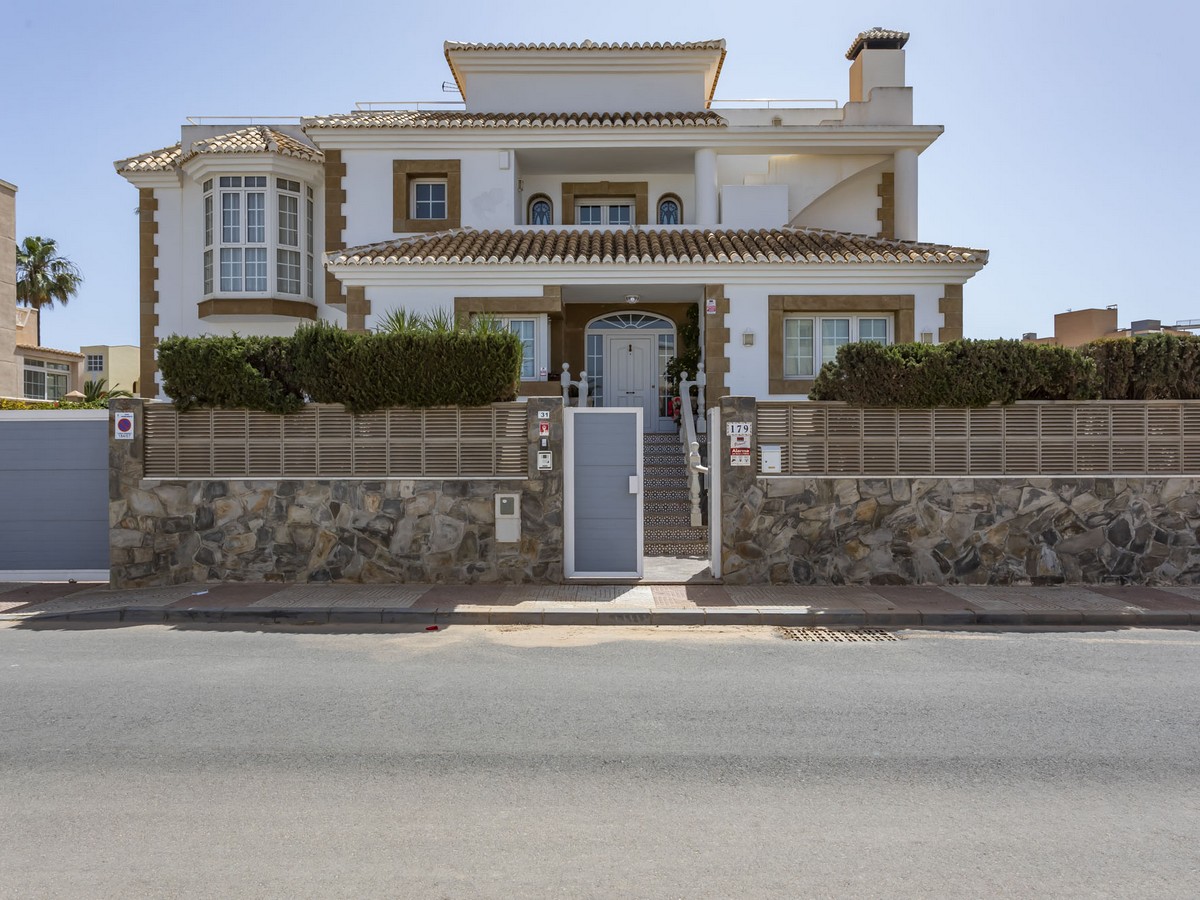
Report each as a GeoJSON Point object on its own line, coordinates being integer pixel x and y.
{"type": "Point", "coordinates": [327, 442]}
{"type": "Point", "coordinates": [1027, 438]}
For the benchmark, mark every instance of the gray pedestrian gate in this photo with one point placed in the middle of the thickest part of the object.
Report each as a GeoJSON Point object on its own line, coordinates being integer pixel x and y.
{"type": "Point", "coordinates": [54, 490]}
{"type": "Point", "coordinates": [603, 492]}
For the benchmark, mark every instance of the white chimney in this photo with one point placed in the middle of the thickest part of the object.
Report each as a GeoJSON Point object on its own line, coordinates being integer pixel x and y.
{"type": "Point", "coordinates": [876, 60]}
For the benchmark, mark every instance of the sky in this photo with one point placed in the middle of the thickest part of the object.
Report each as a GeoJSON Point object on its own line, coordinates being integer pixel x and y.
{"type": "Point", "coordinates": [1070, 145]}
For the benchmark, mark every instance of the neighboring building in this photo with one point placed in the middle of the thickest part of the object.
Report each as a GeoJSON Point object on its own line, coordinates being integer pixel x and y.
{"type": "Point", "coordinates": [46, 373]}
{"type": "Point", "coordinates": [8, 289]}
{"type": "Point", "coordinates": [588, 195]}
{"type": "Point", "coordinates": [118, 365]}
{"type": "Point", "coordinates": [1076, 327]}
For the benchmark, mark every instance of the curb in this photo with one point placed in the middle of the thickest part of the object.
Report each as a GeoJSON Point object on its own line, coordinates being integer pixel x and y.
{"type": "Point", "coordinates": [719, 615]}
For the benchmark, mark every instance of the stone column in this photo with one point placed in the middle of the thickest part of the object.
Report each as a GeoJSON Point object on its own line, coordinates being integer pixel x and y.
{"type": "Point", "coordinates": [542, 500]}
{"type": "Point", "coordinates": [741, 497]}
{"type": "Point", "coordinates": [130, 548]}
{"type": "Point", "coordinates": [706, 188]}
{"type": "Point", "coordinates": [906, 194]}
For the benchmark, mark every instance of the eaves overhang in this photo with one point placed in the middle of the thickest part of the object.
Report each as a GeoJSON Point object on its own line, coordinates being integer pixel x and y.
{"type": "Point", "coordinates": [732, 140]}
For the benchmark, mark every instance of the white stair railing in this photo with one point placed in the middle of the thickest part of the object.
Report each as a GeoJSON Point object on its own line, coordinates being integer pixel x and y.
{"type": "Point", "coordinates": [581, 384]}
{"type": "Point", "coordinates": [691, 445]}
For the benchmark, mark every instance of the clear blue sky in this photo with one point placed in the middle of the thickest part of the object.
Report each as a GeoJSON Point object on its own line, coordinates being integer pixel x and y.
{"type": "Point", "coordinates": [1070, 148]}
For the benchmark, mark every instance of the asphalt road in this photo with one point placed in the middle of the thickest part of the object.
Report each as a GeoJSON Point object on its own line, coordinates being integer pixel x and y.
{"type": "Point", "coordinates": [561, 762]}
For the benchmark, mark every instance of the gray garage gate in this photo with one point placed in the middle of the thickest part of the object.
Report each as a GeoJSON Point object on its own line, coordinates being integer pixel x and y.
{"type": "Point", "coordinates": [53, 491]}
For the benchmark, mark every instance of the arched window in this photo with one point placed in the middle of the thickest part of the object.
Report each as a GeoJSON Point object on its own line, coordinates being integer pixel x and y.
{"type": "Point", "coordinates": [670, 210]}
{"type": "Point", "coordinates": [541, 212]}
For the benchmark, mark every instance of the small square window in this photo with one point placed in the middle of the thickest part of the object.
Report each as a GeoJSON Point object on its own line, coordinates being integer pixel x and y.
{"type": "Point", "coordinates": [94, 362]}
{"type": "Point", "coordinates": [429, 200]}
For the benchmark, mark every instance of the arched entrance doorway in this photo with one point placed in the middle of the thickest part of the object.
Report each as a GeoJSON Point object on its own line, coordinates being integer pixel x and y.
{"type": "Point", "coordinates": [627, 356]}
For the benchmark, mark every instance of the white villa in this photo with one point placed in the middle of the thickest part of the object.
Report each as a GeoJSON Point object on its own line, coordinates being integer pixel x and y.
{"type": "Point", "coordinates": [587, 194]}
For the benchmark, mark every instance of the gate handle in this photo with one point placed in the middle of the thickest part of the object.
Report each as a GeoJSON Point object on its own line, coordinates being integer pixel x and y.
{"type": "Point", "coordinates": [633, 484]}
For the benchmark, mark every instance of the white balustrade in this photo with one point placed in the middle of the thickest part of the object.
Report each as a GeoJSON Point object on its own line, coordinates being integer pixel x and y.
{"type": "Point", "coordinates": [581, 385]}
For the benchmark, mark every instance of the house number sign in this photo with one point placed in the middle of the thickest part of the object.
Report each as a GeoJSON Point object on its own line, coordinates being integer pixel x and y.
{"type": "Point", "coordinates": [732, 428]}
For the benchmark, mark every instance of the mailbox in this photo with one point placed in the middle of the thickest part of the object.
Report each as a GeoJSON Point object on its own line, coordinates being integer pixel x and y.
{"type": "Point", "coordinates": [508, 518]}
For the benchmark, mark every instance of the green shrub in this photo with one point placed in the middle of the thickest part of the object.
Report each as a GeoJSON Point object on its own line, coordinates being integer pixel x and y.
{"type": "Point", "coordinates": [955, 374]}
{"type": "Point", "coordinates": [1149, 367]}
{"type": "Point", "coordinates": [230, 372]}
{"type": "Point", "coordinates": [418, 362]}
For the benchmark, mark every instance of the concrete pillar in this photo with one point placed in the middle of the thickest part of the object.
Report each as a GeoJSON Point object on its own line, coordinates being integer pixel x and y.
{"type": "Point", "coordinates": [8, 291]}
{"type": "Point", "coordinates": [706, 188]}
{"type": "Point", "coordinates": [906, 195]}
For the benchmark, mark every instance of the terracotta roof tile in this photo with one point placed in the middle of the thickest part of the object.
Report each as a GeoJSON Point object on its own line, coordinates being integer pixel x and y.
{"type": "Point", "coordinates": [461, 119]}
{"type": "Point", "coordinates": [257, 139]}
{"type": "Point", "coordinates": [651, 246]}
{"type": "Point", "coordinates": [27, 348]}
{"type": "Point", "coordinates": [154, 161]}
{"type": "Point", "coordinates": [454, 46]}
{"type": "Point", "coordinates": [881, 37]}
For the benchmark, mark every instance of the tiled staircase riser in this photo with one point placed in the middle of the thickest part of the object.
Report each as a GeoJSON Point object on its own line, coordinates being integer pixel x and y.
{"type": "Point", "coordinates": [667, 525]}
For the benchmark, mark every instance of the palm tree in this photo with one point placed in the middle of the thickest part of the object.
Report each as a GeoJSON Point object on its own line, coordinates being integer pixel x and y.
{"type": "Point", "coordinates": [95, 391]}
{"type": "Point", "coordinates": [43, 276]}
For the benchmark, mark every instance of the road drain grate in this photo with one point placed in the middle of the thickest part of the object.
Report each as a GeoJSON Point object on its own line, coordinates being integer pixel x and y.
{"type": "Point", "coordinates": [837, 635]}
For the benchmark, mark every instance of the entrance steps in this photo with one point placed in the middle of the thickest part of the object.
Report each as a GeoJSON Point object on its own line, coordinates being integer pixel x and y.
{"type": "Point", "coordinates": [666, 526]}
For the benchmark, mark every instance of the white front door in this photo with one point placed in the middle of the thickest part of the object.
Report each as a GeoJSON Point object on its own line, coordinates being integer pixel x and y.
{"type": "Point", "coordinates": [632, 380]}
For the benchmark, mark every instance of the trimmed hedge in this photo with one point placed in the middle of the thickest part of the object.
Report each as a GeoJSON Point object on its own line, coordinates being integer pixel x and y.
{"type": "Point", "coordinates": [326, 364]}
{"type": "Point", "coordinates": [1148, 367]}
{"type": "Point", "coordinates": [230, 372]}
{"type": "Point", "coordinates": [955, 374]}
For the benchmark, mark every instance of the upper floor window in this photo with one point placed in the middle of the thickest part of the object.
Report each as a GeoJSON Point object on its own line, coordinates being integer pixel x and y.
{"type": "Point", "coordinates": [426, 194]}
{"type": "Point", "coordinates": [809, 343]}
{"type": "Point", "coordinates": [94, 362]}
{"type": "Point", "coordinates": [239, 235]}
{"type": "Point", "coordinates": [670, 210]}
{"type": "Point", "coordinates": [429, 198]}
{"type": "Point", "coordinates": [599, 213]}
{"type": "Point", "coordinates": [541, 212]}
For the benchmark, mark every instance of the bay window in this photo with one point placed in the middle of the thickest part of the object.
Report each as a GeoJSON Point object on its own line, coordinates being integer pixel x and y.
{"type": "Point", "coordinates": [239, 236]}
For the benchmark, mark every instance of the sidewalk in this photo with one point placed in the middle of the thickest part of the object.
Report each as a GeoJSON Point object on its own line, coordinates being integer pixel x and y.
{"type": "Point", "coordinates": [641, 604]}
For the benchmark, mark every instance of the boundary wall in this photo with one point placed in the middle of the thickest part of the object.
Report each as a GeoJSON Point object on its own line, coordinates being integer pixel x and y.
{"type": "Point", "coordinates": [955, 527]}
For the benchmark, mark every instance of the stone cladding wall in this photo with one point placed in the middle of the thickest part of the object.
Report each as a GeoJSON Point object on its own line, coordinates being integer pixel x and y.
{"type": "Point", "coordinates": [315, 530]}
{"type": "Point", "coordinates": [1079, 529]}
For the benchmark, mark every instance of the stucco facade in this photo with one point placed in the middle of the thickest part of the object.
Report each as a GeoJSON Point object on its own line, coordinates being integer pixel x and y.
{"type": "Point", "coordinates": [581, 190]}
{"type": "Point", "coordinates": [8, 290]}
